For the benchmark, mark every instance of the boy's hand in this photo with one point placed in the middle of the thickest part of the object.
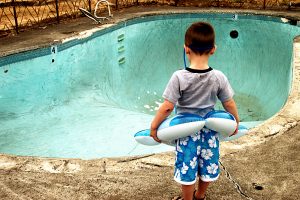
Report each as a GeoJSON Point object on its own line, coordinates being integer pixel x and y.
{"type": "Point", "coordinates": [163, 112]}
{"type": "Point", "coordinates": [236, 130]}
{"type": "Point", "coordinates": [230, 107]}
{"type": "Point", "coordinates": [153, 133]}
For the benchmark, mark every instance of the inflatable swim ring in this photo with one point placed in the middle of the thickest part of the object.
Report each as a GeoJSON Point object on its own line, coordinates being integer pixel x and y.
{"type": "Point", "coordinates": [186, 124]}
{"type": "Point", "coordinates": [242, 130]}
{"type": "Point", "coordinates": [220, 121]}
{"type": "Point", "coordinates": [179, 126]}
{"type": "Point", "coordinates": [224, 124]}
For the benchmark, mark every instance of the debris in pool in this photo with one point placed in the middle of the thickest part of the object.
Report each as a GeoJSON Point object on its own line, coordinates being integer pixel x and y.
{"type": "Point", "coordinates": [158, 103]}
{"type": "Point", "coordinates": [147, 106]}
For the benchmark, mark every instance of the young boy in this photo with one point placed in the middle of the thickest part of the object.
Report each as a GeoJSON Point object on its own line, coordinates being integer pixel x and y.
{"type": "Point", "coordinates": [196, 90]}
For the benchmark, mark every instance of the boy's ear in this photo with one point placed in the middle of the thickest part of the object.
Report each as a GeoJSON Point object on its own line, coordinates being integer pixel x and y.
{"type": "Point", "coordinates": [212, 51]}
{"type": "Point", "coordinates": [187, 50]}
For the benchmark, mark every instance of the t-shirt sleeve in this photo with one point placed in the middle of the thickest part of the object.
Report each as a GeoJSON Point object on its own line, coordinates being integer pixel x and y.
{"type": "Point", "coordinates": [225, 92]}
{"type": "Point", "coordinates": [172, 91]}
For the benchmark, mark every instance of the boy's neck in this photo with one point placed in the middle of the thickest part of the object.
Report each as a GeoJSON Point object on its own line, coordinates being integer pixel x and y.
{"type": "Point", "coordinates": [199, 62]}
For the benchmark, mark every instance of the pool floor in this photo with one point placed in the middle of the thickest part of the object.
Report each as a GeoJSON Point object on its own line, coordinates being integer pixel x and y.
{"type": "Point", "coordinates": [82, 128]}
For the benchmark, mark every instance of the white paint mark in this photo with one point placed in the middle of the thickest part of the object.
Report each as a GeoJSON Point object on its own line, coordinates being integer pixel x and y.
{"type": "Point", "coordinates": [6, 164]}
{"type": "Point", "coordinates": [235, 16]}
{"type": "Point", "coordinates": [284, 20]}
{"type": "Point", "coordinates": [87, 33]}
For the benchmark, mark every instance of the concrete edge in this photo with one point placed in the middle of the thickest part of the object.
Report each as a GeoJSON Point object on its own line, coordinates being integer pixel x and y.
{"type": "Point", "coordinates": [286, 16]}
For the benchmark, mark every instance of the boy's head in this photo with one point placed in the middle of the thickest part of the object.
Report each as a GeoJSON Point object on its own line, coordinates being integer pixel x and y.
{"type": "Point", "coordinates": [200, 38]}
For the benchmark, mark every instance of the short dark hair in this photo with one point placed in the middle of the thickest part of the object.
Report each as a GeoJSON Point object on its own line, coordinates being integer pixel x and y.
{"type": "Point", "coordinates": [200, 37]}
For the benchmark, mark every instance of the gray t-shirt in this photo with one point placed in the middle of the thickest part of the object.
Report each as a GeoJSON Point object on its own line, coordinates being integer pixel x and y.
{"type": "Point", "coordinates": [197, 91]}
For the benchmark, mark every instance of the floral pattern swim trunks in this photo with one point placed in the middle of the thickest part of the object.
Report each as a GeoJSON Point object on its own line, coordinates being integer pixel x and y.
{"type": "Point", "coordinates": [197, 155]}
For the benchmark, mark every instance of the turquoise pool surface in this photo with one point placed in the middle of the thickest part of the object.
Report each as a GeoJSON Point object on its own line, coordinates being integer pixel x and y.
{"type": "Point", "coordinates": [87, 97]}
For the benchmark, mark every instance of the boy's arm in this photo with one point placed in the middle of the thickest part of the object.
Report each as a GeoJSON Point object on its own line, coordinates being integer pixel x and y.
{"type": "Point", "coordinates": [163, 112]}
{"type": "Point", "coordinates": [230, 107]}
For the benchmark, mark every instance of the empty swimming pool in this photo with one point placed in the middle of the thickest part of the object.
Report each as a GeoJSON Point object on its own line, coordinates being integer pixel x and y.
{"type": "Point", "coordinates": [85, 98]}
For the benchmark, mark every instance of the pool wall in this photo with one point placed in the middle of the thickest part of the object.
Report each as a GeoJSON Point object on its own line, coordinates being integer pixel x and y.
{"type": "Point", "coordinates": [120, 57]}
{"type": "Point", "coordinates": [280, 122]}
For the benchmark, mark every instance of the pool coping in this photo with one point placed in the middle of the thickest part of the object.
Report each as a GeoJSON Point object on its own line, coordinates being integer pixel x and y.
{"type": "Point", "coordinates": [285, 119]}
{"type": "Point", "coordinates": [131, 16]}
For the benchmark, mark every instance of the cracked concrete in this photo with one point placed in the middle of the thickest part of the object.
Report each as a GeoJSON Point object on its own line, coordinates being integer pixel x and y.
{"type": "Point", "coordinates": [262, 165]}
{"type": "Point", "coordinates": [273, 165]}
{"type": "Point", "coordinates": [236, 185]}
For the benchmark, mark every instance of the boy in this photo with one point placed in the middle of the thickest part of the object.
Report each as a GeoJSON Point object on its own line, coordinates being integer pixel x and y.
{"type": "Point", "coordinates": [196, 90]}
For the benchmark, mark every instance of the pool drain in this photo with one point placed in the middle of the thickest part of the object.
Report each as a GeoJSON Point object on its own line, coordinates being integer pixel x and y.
{"type": "Point", "coordinates": [234, 34]}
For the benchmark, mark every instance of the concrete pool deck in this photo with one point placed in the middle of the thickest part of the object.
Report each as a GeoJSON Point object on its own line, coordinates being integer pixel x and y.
{"type": "Point", "coordinates": [262, 165]}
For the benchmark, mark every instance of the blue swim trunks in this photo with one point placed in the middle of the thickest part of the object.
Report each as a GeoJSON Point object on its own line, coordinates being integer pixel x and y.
{"type": "Point", "coordinates": [197, 155]}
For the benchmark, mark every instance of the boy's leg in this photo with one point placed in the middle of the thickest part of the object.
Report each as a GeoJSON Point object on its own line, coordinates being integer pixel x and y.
{"type": "Point", "coordinates": [188, 191]}
{"type": "Point", "coordinates": [209, 161]}
{"type": "Point", "coordinates": [202, 187]}
{"type": "Point", "coordinates": [186, 164]}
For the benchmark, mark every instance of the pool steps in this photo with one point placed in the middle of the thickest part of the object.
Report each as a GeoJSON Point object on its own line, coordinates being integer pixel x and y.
{"type": "Point", "coordinates": [121, 60]}
{"type": "Point", "coordinates": [121, 37]}
{"type": "Point", "coordinates": [121, 49]}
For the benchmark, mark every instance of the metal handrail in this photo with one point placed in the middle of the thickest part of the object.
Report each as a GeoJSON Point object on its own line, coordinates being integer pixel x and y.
{"type": "Point", "coordinates": [95, 17]}
{"type": "Point", "coordinates": [108, 7]}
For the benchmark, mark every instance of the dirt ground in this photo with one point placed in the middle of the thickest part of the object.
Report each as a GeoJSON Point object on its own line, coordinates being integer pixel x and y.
{"type": "Point", "coordinates": [262, 165]}
{"type": "Point", "coordinates": [268, 171]}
